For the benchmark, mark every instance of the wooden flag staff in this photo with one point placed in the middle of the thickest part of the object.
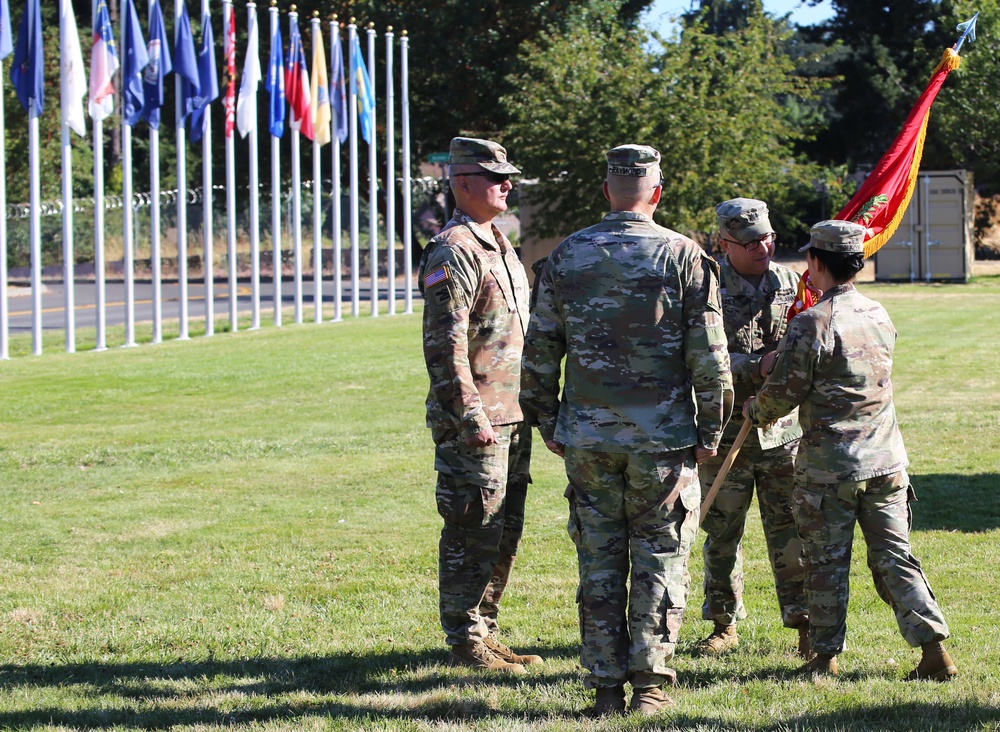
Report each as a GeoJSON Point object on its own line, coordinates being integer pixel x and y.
{"type": "Point", "coordinates": [734, 451]}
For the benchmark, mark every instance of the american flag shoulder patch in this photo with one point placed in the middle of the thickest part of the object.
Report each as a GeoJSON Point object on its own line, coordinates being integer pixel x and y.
{"type": "Point", "coordinates": [438, 275]}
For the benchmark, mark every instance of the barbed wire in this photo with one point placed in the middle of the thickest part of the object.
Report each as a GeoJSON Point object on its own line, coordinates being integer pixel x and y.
{"type": "Point", "coordinates": [86, 204]}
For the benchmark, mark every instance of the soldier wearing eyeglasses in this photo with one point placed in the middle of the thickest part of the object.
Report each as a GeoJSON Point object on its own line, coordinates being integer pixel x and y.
{"type": "Point", "coordinates": [756, 296]}
{"type": "Point", "coordinates": [475, 317]}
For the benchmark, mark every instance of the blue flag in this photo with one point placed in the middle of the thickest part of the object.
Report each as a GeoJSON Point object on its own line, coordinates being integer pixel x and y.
{"type": "Point", "coordinates": [208, 80]}
{"type": "Point", "coordinates": [338, 92]}
{"type": "Point", "coordinates": [136, 58]}
{"type": "Point", "coordinates": [275, 84]}
{"type": "Point", "coordinates": [27, 71]}
{"type": "Point", "coordinates": [157, 69]}
{"type": "Point", "coordinates": [361, 84]}
{"type": "Point", "coordinates": [186, 64]}
{"type": "Point", "coordinates": [6, 37]}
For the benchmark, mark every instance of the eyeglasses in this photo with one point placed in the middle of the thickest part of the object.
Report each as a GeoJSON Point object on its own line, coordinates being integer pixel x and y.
{"type": "Point", "coordinates": [490, 176]}
{"type": "Point", "coordinates": [754, 244]}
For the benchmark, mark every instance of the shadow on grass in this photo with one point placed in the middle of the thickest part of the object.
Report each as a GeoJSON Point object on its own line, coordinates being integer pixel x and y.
{"type": "Point", "coordinates": [948, 502]}
{"type": "Point", "coordinates": [156, 695]}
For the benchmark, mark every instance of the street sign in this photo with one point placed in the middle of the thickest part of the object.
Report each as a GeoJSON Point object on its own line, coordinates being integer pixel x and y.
{"type": "Point", "coordinates": [437, 158]}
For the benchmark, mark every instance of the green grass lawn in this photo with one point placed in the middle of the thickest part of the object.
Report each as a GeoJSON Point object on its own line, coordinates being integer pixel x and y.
{"type": "Point", "coordinates": [239, 533]}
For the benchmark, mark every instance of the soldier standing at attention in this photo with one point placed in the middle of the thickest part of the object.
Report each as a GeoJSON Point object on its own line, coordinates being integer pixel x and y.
{"type": "Point", "coordinates": [475, 316]}
{"type": "Point", "coordinates": [835, 365]}
{"type": "Point", "coordinates": [756, 295]}
{"type": "Point", "coordinates": [634, 309]}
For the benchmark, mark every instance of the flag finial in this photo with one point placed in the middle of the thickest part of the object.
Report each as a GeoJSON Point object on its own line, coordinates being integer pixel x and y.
{"type": "Point", "coordinates": [968, 30]}
{"type": "Point", "coordinates": [388, 29]}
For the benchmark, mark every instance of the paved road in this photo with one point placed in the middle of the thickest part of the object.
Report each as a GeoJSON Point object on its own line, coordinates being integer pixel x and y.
{"type": "Point", "coordinates": [85, 297]}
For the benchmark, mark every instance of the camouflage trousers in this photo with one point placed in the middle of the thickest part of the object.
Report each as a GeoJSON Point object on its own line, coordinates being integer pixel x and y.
{"type": "Point", "coordinates": [826, 514]}
{"type": "Point", "coordinates": [633, 519]}
{"type": "Point", "coordinates": [773, 473]}
{"type": "Point", "coordinates": [480, 495]}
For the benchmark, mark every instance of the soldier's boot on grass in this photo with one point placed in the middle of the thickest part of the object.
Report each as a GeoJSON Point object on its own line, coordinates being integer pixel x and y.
{"type": "Point", "coordinates": [722, 639]}
{"type": "Point", "coordinates": [649, 700]}
{"type": "Point", "coordinates": [609, 700]}
{"type": "Point", "coordinates": [508, 655]}
{"type": "Point", "coordinates": [804, 650]}
{"type": "Point", "coordinates": [478, 656]}
{"type": "Point", "coordinates": [935, 664]}
{"type": "Point", "coordinates": [824, 664]}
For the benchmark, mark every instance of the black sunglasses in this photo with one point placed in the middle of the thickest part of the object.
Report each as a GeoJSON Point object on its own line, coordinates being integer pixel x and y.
{"type": "Point", "coordinates": [491, 176]}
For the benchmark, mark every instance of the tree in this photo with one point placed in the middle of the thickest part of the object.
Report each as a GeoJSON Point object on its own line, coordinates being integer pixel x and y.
{"type": "Point", "coordinates": [966, 117]}
{"type": "Point", "coordinates": [712, 104]}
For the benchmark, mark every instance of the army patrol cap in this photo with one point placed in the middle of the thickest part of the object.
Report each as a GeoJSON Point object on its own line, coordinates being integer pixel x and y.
{"type": "Point", "coordinates": [486, 154]}
{"type": "Point", "coordinates": [633, 160]}
{"type": "Point", "coordinates": [744, 219]}
{"type": "Point", "coordinates": [842, 237]}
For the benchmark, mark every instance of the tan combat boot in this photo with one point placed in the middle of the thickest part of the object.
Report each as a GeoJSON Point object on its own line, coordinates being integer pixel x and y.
{"type": "Point", "coordinates": [508, 655]}
{"type": "Point", "coordinates": [649, 700]}
{"type": "Point", "coordinates": [823, 664]}
{"type": "Point", "coordinates": [478, 656]}
{"type": "Point", "coordinates": [609, 700]}
{"type": "Point", "coordinates": [935, 664]}
{"type": "Point", "coordinates": [722, 639]}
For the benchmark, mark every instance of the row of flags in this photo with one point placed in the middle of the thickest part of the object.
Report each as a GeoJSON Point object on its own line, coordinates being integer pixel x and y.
{"type": "Point", "coordinates": [311, 101]}
{"type": "Point", "coordinates": [313, 105]}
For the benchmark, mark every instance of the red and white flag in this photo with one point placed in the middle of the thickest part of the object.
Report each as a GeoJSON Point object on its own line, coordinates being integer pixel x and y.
{"type": "Point", "coordinates": [297, 81]}
{"type": "Point", "coordinates": [229, 53]}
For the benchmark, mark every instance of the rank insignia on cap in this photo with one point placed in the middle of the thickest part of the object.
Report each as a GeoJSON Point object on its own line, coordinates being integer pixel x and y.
{"type": "Point", "coordinates": [438, 275]}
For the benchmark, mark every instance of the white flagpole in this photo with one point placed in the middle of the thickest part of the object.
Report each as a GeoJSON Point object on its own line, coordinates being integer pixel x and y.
{"type": "Point", "coordinates": [208, 256]}
{"type": "Point", "coordinates": [276, 189]}
{"type": "Point", "coordinates": [390, 173]}
{"type": "Point", "coordinates": [35, 233]}
{"type": "Point", "coordinates": [352, 31]}
{"type": "Point", "coordinates": [69, 272]}
{"type": "Point", "coordinates": [254, 198]}
{"type": "Point", "coordinates": [101, 344]}
{"type": "Point", "coordinates": [182, 273]}
{"type": "Point", "coordinates": [296, 200]}
{"type": "Point", "coordinates": [229, 18]}
{"type": "Point", "coordinates": [317, 32]}
{"type": "Point", "coordinates": [407, 213]}
{"type": "Point", "coordinates": [154, 225]}
{"type": "Point", "coordinates": [373, 183]}
{"type": "Point", "coordinates": [338, 287]}
{"type": "Point", "coordinates": [127, 211]}
{"type": "Point", "coordinates": [4, 301]}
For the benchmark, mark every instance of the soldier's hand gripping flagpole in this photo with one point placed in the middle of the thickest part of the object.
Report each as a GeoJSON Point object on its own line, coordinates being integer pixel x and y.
{"type": "Point", "coordinates": [727, 464]}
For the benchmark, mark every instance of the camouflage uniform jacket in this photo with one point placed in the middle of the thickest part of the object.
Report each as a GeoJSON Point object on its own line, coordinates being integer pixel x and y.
{"type": "Point", "coordinates": [634, 307]}
{"type": "Point", "coordinates": [835, 364]}
{"type": "Point", "coordinates": [475, 315]}
{"type": "Point", "coordinates": [756, 319]}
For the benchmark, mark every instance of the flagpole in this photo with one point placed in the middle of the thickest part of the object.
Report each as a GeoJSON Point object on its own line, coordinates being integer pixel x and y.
{"type": "Point", "coordinates": [4, 300]}
{"type": "Point", "coordinates": [390, 172]}
{"type": "Point", "coordinates": [67, 192]}
{"type": "Point", "coordinates": [355, 213]}
{"type": "Point", "coordinates": [35, 234]}
{"type": "Point", "coordinates": [338, 285]}
{"type": "Point", "coordinates": [127, 211]}
{"type": "Point", "coordinates": [276, 186]}
{"type": "Point", "coordinates": [182, 273]}
{"type": "Point", "coordinates": [254, 196]}
{"type": "Point", "coordinates": [229, 47]}
{"type": "Point", "coordinates": [101, 340]}
{"type": "Point", "coordinates": [404, 47]}
{"type": "Point", "coordinates": [373, 183]}
{"type": "Point", "coordinates": [208, 256]}
{"type": "Point", "coordinates": [296, 191]}
{"type": "Point", "coordinates": [317, 37]}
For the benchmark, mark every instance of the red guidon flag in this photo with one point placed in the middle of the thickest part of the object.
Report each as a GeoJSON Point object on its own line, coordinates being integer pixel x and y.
{"type": "Point", "coordinates": [882, 199]}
